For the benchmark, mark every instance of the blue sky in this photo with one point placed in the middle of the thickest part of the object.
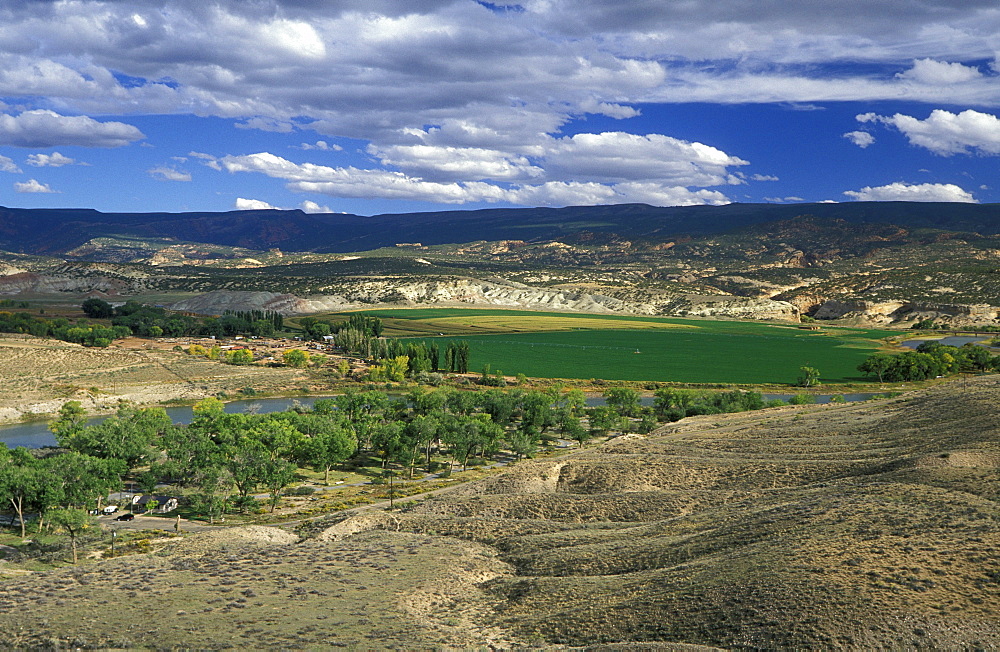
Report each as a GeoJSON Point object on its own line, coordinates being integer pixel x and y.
{"type": "Point", "coordinates": [374, 106]}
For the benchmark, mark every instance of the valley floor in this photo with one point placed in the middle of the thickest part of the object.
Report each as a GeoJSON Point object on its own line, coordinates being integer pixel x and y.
{"type": "Point", "coordinates": [857, 526]}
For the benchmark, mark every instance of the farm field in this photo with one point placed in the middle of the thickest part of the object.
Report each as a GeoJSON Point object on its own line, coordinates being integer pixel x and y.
{"type": "Point", "coordinates": [612, 347]}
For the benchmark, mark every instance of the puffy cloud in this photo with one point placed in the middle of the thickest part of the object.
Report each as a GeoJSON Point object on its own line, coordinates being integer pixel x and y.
{"type": "Point", "coordinates": [860, 138]}
{"type": "Point", "coordinates": [32, 185]}
{"type": "Point", "coordinates": [929, 71]}
{"type": "Point", "coordinates": [55, 160]}
{"type": "Point", "coordinates": [931, 192]}
{"type": "Point", "coordinates": [312, 207]}
{"type": "Point", "coordinates": [321, 145]}
{"type": "Point", "coordinates": [169, 174]}
{"type": "Point", "coordinates": [242, 204]}
{"type": "Point", "coordinates": [456, 163]}
{"type": "Point", "coordinates": [360, 70]}
{"type": "Point", "coordinates": [619, 156]}
{"type": "Point", "coordinates": [43, 128]}
{"type": "Point", "coordinates": [357, 183]}
{"type": "Point", "coordinates": [8, 165]}
{"type": "Point", "coordinates": [947, 133]}
{"type": "Point", "coordinates": [466, 101]}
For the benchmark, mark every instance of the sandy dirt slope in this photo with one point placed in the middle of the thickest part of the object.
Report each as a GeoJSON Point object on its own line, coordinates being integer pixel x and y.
{"type": "Point", "coordinates": [39, 375]}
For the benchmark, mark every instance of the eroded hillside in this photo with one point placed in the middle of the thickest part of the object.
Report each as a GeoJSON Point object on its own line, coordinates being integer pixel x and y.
{"type": "Point", "coordinates": [858, 526]}
{"type": "Point", "coordinates": [835, 266]}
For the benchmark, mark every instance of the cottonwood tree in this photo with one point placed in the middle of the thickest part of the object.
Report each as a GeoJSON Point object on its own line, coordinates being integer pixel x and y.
{"type": "Point", "coordinates": [21, 483]}
{"type": "Point", "coordinates": [327, 442]}
{"type": "Point", "coordinates": [127, 436]}
{"type": "Point", "coordinates": [808, 377]}
{"type": "Point", "coordinates": [296, 358]}
{"type": "Point", "coordinates": [70, 420]}
{"type": "Point", "coordinates": [623, 400]}
{"type": "Point", "coordinates": [84, 480]}
{"type": "Point", "coordinates": [74, 522]}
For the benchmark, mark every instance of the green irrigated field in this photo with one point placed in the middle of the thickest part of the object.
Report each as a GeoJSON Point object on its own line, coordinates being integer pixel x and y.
{"type": "Point", "coordinates": [612, 347]}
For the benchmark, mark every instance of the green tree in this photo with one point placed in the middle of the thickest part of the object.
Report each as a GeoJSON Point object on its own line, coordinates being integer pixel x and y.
{"type": "Point", "coordinates": [239, 357]}
{"type": "Point", "coordinates": [128, 436]}
{"type": "Point", "coordinates": [73, 522]}
{"type": "Point", "coordinates": [212, 492]}
{"type": "Point", "coordinates": [97, 308]}
{"type": "Point", "coordinates": [69, 423]}
{"type": "Point", "coordinates": [877, 364]}
{"type": "Point", "coordinates": [275, 475]}
{"type": "Point", "coordinates": [576, 401]}
{"type": "Point", "coordinates": [808, 377]}
{"type": "Point", "coordinates": [623, 400]}
{"type": "Point", "coordinates": [602, 419]}
{"type": "Point", "coordinates": [327, 443]}
{"type": "Point", "coordinates": [296, 358]}
{"type": "Point", "coordinates": [416, 439]}
{"type": "Point", "coordinates": [208, 405]}
{"type": "Point", "coordinates": [21, 484]}
{"type": "Point", "coordinates": [83, 480]}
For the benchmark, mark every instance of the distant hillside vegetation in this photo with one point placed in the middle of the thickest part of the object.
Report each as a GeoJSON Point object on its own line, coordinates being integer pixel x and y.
{"type": "Point", "coordinates": [56, 231]}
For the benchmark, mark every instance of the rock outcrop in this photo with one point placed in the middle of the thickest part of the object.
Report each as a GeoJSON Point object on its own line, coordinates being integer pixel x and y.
{"type": "Point", "coordinates": [901, 312]}
{"type": "Point", "coordinates": [365, 293]}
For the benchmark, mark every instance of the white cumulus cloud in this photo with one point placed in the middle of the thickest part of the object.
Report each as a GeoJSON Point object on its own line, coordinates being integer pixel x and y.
{"type": "Point", "coordinates": [929, 71]}
{"type": "Point", "coordinates": [8, 165]}
{"type": "Point", "coordinates": [32, 185]}
{"type": "Point", "coordinates": [312, 207]}
{"type": "Point", "coordinates": [386, 184]}
{"type": "Point", "coordinates": [55, 160]}
{"type": "Point", "coordinates": [322, 146]}
{"type": "Point", "coordinates": [456, 163]}
{"type": "Point", "coordinates": [947, 133]}
{"type": "Point", "coordinates": [44, 128]}
{"type": "Point", "coordinates": [860, 138]}
{"type": "Point", "coordinates": [618, 156]}
{"type": "Point", "coordinates": [925, 192]}
{"type": "Point", "coordinates": [243, 204]}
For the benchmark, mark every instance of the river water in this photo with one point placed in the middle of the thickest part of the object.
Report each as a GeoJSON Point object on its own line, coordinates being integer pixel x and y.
{"type": "Point", "coordinates": [951, 340]}
{"type": "Point", "coordinates": [36, 434]}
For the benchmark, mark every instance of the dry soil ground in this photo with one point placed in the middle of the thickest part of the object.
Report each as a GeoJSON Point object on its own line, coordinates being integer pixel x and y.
{"type": "Point", "coordinates": [39, 375]}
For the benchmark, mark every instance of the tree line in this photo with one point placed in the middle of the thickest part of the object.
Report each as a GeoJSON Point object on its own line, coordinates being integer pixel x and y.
{"type": "Point", "coordinates": [223, 461]}
{"type": "Point", "coordinates": [930, 360]}
{"type": "Point", "coordinates": [143, 320]}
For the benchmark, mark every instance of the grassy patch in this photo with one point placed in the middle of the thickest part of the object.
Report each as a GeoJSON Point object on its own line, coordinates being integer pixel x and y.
{"type": "Point", "coordinates": [614, 347]}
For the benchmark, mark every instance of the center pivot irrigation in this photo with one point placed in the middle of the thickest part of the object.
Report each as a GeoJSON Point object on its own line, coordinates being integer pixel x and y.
{"type": "Point", "coordinates": [630, 349]}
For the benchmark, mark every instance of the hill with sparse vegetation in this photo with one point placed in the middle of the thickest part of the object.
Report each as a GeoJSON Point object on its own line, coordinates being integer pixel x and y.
{"type": "Point", "coordinates": [886, 263]}
{"type": "Point", "coordinates": [860, 526]}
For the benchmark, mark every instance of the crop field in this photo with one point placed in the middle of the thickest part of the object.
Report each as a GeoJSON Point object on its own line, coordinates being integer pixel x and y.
{"type": "Point", "coordinates": [611, 347]}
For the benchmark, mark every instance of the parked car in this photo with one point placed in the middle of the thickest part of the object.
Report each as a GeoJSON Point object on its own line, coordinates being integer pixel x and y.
{"type": "Point", "coordinates": [125, 517]}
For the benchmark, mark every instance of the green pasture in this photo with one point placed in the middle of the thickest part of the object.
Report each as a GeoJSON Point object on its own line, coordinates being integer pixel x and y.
{"type": "Point", "coordinates": [648, 348]}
